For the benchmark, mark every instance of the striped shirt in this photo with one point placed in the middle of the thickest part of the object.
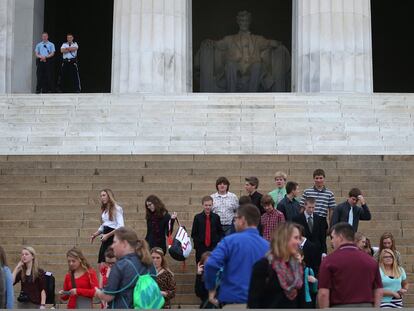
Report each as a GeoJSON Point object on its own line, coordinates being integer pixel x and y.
{"type": "Point", "coordinates": [225, 206]}
{"type": "Point", "coordinates": [325, 199]}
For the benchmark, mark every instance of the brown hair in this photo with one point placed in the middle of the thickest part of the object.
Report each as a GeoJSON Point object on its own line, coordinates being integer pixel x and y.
{"type": "Point", "coordinates": [345, 230]}
{"type": "Point", "coordinates": [76, 253]}
{"type": "Point", "coordinates": [3, 258]}
{"type": "Point", "coordinates": [109, 253]}
{"type": "Point", "coordinates": [396, 271]}
{"type": "Point", "coordinates": [280, 239]}
{"type": "Point", "coordinates": [35, 264]}
{"type": "Point", "coordinates": [387, 235]}
{"type": "Point", "coordinates": [267, 200]}
{"type": "Point", "coordinates": [291, 186]}
{"type": "Point", "coordinates": [245, 199]}
{"type": "Point", "coordinates": [310, 200]}
{"type": "Point", "coordinates": [254, 181]}
{"type": "Point", "coordinates": [318, 172]}
{"type": "Point", "coordinates": [160, 209]}
{"type": "Point", "coordinates": [110, 206]}
{"type": "Point", "coordinates": [354, 193]}
{"type": "Point", "coordinates": [223, 180]}
{"type": "Point", "coordinates": [250, 212]}
{"type": "Point", "coordinates": [204, 257]}
{"type": "Point", "coordinates": [139, 245]}
{"type": "Point", "coordinates": [159, 251]}
{"type": "Point", "coordinates": [206, 198]}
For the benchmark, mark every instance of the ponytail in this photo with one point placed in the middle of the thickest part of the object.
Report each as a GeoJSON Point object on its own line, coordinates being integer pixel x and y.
{"type": "Point", "coordinates": [143, 253]}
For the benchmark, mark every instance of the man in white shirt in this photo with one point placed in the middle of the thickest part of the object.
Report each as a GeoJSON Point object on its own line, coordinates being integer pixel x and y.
{"type": "Point", "coordinates": [225, 204]}
{"type": "Point", "coordinates": [44, 51]}
{"type": "Point", "coordinates": [70, 81]}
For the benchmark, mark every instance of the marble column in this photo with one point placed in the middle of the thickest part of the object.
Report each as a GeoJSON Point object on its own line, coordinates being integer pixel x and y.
{"type": "Point", "coordinates": [6, 39]}
{"type": "Point", "coordinates": [332, 49]}
{"type": "Point", "coordinates": [151, 46]}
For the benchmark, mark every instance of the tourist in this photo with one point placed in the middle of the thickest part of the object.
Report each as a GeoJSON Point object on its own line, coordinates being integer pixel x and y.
{"type": "Point", "coordinates": [44, 52]}
{"type": "Point", "coordinates": [277, 278]}
{"type": "Point", "coordinates": [199, 287]}
{"type": "Point", "coordinates": [311, 253]}
{"type": "Point", "coordinates": [280, 191]}
{"type": "Point", "coordinates": [158, 222]}
{"type": "Point", "coordinates": [369, 249]}
{"type": "Point", "coordinates": [310, 284]}
{"type": "Point", "coordinates": [350, 212]}
{"type": "Point", "coordinates": [105, 270]}
{"type": "Point", "coordinates": [387, 241]}
{"type": "Point", "coordinates": [289, 206]}
{"type": "Point", "coordinates": [31, 278]}
{"type": "Point", "coordinates": [236, 255]}
{"type": "Point", "coordinates": [6, 283]}
{"type": "Point", "coordinates": [165, 278]}
{"type": "Point", "coordinates": [225, 204]}
{"type": "Point", "coordinates": [271, 219]}
{"type": "Point", "coordinates": [80, 282]}
{"type": "Point", "coordinates": [206, 231]}
{"type": "Point", "coordinates": [360, 240]}
{"type": "Point", "coordinates": [394, 280]}
{"type": "Point", "coordinates": [325, 198]}
{"type": "Point", "coordinates": [133, 259]}
{"type": "Point", "coordinates": [314, 230]}
{"type": "Point", "coordinates": [112, 218]}
{"type": "Point", "coordinates": [251, 185]}
{"type": "Point", "coordinates": [348, 278]}
{"type": "Point", "coordinates": [70, 81]}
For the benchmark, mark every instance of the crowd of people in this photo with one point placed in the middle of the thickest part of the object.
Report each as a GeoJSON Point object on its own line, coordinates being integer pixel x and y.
{"type": "Point", "coordinates": [256, 251]}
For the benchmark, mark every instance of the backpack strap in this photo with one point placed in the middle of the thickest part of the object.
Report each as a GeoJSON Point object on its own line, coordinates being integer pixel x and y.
{"type": "Point", "coordinates": [126, 286]}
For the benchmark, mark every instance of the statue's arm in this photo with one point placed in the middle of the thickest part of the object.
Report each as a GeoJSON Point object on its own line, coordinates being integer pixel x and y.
{"type": "Point", "coordinates": [269, 44]}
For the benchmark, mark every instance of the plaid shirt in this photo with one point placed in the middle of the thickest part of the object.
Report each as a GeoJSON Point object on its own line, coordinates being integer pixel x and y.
{"type": "Point", "coordinates": [270, 221]}
{"type": "Point", "coordinates": [225, 206]}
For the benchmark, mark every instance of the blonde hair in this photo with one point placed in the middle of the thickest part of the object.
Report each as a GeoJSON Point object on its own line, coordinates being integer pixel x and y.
{"type": "Point", "coordinates": [396, 271]}
{"type": "Point", "coordinates": [110, 205]}
{"type": "Point", "coordinates": [77, 254]}
{"type": "Point", "coordinates": [139, 245]}
{"type": "Point", "coordinates": [279, 243]}
{"type": "Point", "coordinates": [35, 264]}
{"type": "Point", "coordinates": [281, 174]}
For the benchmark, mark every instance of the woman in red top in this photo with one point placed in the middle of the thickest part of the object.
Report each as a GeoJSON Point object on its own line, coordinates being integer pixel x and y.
{"type": "Point", "coordinates": [80, 283]}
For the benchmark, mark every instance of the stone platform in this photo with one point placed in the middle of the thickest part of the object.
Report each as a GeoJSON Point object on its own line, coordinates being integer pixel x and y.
{"type": "Point", "coordinates": [377, 124]}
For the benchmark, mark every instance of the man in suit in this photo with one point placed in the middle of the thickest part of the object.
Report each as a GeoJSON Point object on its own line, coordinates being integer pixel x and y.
{"type": "Point", "coordinates": [315, 228]}
{"type": "Point", "coordinates": [207, 230]}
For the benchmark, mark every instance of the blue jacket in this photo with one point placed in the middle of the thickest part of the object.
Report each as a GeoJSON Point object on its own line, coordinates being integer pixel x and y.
{"type": "Point", "coordinates": [236, 254]}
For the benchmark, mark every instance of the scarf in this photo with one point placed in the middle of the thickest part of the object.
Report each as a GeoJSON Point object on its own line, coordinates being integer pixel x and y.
{"type": "Point", "coordinates": [290, 275]}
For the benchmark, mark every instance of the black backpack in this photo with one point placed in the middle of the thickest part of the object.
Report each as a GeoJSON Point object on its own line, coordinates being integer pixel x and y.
{"type": "Point", "coordinates": [50, 287]}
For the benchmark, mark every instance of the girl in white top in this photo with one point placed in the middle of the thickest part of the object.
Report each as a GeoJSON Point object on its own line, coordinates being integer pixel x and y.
{"type": "Point", "coordinates": [112, 219]}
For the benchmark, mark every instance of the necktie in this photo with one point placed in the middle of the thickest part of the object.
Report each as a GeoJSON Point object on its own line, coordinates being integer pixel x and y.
{"type": "Point", "coordinates": [207, 240]}
{"type": "Point", "coordinates": [310, 223]}
{"type": "Point", "coordinates": [279, 196]}
{"type": "Point", "coordinates": [351, 217]}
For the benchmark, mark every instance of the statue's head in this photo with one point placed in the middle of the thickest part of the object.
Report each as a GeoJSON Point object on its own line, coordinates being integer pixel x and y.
{"type": "Point", "coordinates": [244, 19]}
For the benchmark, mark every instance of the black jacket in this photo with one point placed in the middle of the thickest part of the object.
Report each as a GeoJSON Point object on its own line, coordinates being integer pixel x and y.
{"type": "Point", "coordinates": [312, 256]}
{"type": "Point", "coordinates": [163, 229]}
{"type": "Point", "coordinates": [290, 209]}
{"type": "Point", "coordinates": [318, 234]}
{"type": "Point", "coordinates": [198, 232]}
{"type": "Point", "coordinates": [265, 291]}
{"type": "Point", "coordinates": [341, 214]}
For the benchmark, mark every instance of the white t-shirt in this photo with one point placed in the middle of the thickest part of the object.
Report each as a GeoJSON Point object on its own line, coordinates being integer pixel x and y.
{"type": "Point", "coordinates": [72, 54]}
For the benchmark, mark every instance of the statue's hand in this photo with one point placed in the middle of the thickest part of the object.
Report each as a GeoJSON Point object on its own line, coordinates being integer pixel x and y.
{"type": "Point", "coordinates": [275, 44]}
{"type": "Point", "coordinates": [208, 43]}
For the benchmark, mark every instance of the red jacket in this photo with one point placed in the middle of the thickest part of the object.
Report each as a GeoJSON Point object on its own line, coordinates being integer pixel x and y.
{"type": "Point", "coordinates": [85, 286]}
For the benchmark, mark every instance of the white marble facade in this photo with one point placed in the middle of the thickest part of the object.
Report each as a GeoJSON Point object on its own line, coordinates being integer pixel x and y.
{"type": "Point", "coordinates": [152, 50]}
{"type": "Point", "coordinates": [332, 48]}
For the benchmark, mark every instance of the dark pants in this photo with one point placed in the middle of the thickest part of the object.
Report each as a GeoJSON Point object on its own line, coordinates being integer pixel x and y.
{"type": "Point", "coordinates": [200, 250]}
{"type": "Point", "coordinates": [70, 81]}
{"type": "Point", "coordinates": [44, 76]}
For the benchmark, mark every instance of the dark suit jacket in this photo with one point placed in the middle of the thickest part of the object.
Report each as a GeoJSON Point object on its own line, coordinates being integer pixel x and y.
{"type": "Point", "coordinates": [312, 256]}
{"type": "Point", "coordinates": [318, 234]}
{"type": "Point", "coordinates": [198, 232]}
{"type": "Point", "coordinates": [341, 214]}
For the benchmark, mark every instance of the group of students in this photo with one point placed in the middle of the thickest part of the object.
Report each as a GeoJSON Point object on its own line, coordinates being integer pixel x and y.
{"type": "Point", "coordinates": [272, 243]}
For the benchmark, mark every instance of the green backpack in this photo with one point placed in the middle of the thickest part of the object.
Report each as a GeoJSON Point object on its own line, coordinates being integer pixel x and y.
{"type": "Point", "coordinates": [146, 295]}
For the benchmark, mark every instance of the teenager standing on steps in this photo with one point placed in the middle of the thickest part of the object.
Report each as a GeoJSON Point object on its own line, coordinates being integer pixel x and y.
{"type": "Point", "coordinates": [31, 278]}
{"type": "Point", "coordinates": [112, 219]}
